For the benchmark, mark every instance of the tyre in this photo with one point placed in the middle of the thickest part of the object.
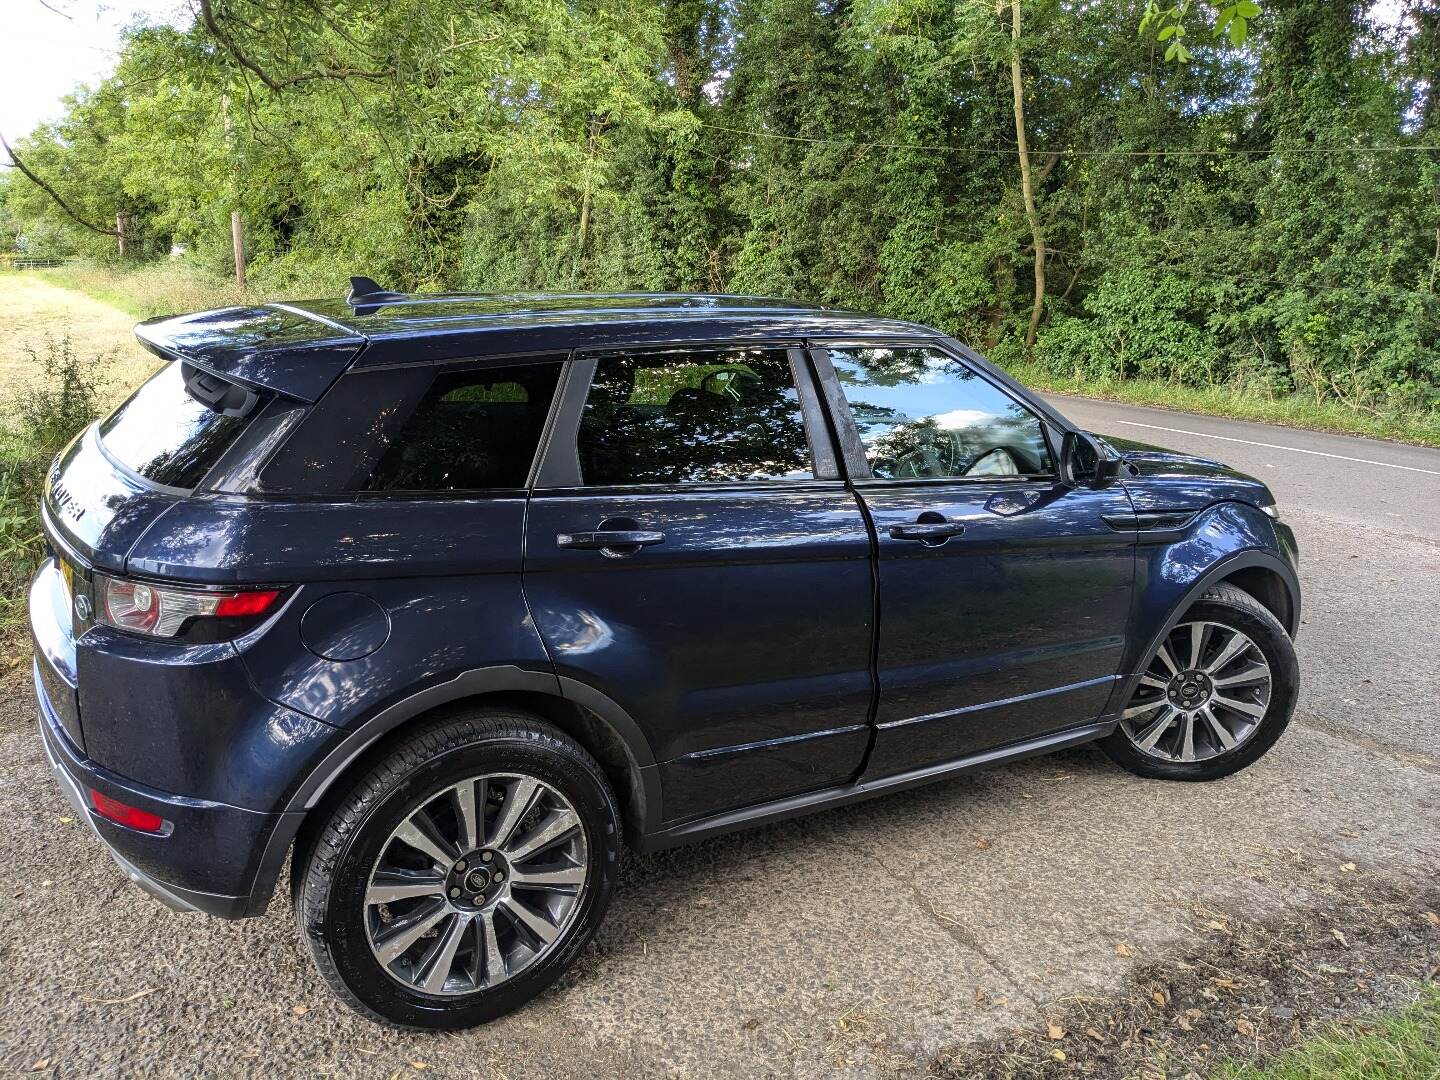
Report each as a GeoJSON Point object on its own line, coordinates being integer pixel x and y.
{"type": "Point", "coordinates": [462, 874]}
{"type": "Point", "coordinates": [1215, 695]}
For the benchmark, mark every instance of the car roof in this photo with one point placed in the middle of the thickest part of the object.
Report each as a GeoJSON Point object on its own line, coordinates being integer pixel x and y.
{"type": "Point", "coordinates": [403, 329]}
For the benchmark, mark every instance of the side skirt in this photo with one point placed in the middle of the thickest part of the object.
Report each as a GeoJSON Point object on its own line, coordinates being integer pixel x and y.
{"type": "Point", "coordinates": [828, 798]}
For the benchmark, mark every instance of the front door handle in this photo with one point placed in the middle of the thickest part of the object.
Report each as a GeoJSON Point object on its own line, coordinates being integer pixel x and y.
{"type": "Point", "coordinates": [614, 542]}
{"type": "Point", "coordinates": [929, 528]}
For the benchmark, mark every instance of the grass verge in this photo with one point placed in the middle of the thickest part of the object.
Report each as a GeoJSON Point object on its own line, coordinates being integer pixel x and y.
{"type": "Point", "coordinates": [1403, 1045]}
{"type": "Point", "coordinates": [1294, 410]}
{"type": "Point", "coordinates": [172, 288]}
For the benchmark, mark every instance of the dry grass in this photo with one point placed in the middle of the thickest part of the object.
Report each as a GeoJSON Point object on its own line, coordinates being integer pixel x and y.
{"type": "Point", "coordinates": [34, 311]}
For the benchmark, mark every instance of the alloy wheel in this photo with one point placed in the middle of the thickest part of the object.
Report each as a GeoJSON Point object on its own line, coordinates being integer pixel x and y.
{"type": "Point", "coordinates": [1203, 694]}
{"type": "Point", "coordinates": [478, 882]}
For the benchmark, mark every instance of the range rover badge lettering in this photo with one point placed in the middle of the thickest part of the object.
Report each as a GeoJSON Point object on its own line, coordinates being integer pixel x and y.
{"type": "Point", "coordinates": [82, 606]}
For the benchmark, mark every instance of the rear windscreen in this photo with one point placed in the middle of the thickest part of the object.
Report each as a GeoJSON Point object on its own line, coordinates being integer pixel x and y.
{"type": "Point", "coordinates": [168, 436]}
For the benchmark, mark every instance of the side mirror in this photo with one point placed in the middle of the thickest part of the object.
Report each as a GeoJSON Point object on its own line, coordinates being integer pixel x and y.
{"type": "Point", "coordinates": [1087, 462]}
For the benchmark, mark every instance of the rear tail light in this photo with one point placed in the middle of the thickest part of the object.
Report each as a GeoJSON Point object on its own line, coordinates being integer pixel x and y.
{"type": "Point", "coordinates": [122, 814]}
{"type": "Point", "coordinates": [163, 611]}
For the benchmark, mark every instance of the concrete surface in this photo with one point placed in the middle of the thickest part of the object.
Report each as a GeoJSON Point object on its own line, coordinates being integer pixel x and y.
{"type": "Point", "coordinates": [854, 943]}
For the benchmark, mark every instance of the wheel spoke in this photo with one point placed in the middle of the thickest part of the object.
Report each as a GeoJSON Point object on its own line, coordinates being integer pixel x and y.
{"type": "Point", "coordinates": [1140, 710]}
{"type": "Point", "coordinates": [435, 967]}
{"type": "Point", "coordinates": [407, 932]}
{"type": "Point", "coordinates": [1246, 707]}
{"type": "Point", "coordinates": [496, 970]}
{"type": "Point", "coordinates": [1152, 682]}
{"type": "Point", "coordinates": [419, 832]}
{"type": "Point", "coordinates": [537, 924]}
{"type": "Point", "coordinates": [1167, 658]}
{"type": "Point", "coordinates": [1227, 740]}
{"type": "Point", "coordinates": [1237, 644]}
{"type": "Point", "coordinates": [1254, 673]}
{"type": "Point", "coordinates": [552, 829]}
{"type": "Point", "coordinates": [1198, 633]}
{"type": "Point", "coordinates": [1151, 735]}
{"type": "Point", "coordinates": [1187, 739]}
{"type": "Point", "coordinates": [517, 801]}
{"type": "Point", "coordinates": [468, 814]}
{"type": "Point", "coordinates": [555, 877]}
{"type": "Point", "coordinates": [388, 886]}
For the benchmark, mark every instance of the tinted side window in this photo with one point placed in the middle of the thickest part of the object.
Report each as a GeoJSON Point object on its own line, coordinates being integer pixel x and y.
{"type": "Point", "coordinates": [923, 414]}
{"type": "Point", "coordinates": [474, 429]}
{"type": "Point", "coordinates": [677, 417]}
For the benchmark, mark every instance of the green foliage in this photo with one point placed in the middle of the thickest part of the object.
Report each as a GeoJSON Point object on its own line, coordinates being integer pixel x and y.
{"type": "Point", "coordinates": [35, 424]}
{"type": "Point", "coordinates": [1403, 1045]}
{"type": "Point", "coordinates": [1216, 221]}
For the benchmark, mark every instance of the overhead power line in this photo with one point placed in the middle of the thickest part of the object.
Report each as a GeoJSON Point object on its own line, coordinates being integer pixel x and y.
{"type": "Point", "coordinates": [1073, 151]}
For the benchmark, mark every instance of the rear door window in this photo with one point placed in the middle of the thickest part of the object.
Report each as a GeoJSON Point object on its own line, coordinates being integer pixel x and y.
{"type": "Point", "coordinates": [474, 429]}
{"type": "Point", "coordinates": [170, 436]}
{"type": "Point", "coordinates": [693, 417]}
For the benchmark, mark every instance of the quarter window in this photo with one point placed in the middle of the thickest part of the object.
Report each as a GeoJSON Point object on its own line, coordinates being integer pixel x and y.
{"type": "Point", "coordinates": [693, 417]}
{"type": "Point", "coordinates": [923, 414]}
{"type": "Point", "coordinates": [473, 429]}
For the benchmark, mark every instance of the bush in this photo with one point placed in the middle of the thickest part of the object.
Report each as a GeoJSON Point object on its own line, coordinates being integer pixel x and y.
{"type": "Point", "coordinates": [35, 425]}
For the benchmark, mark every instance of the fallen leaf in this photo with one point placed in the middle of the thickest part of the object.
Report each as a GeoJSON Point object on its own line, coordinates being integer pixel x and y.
{"type": "Point", "coordinates": [1097, 1036]}
{"type": "Point", "coordinates": [1340, 938]}
{"type": "Point", "coordinates": [1228, 984]}
{"type": "Point", "coordinates": [980, 996]}
{"type": "Point", "coordinates": [1058, 1055]}
{"type": "Point", "coordinates": [751, 1024]}
{"type": "Point", "coordinates": [67, 820]}
{"type": "Point", "coordinates": [1000, 1001]}
{"type": "Point", "coordinates": [1216, 925]}
{"type": "Point", "coordinates": [300, 1010]}
{"type": "Point", "coordinates": [1054, 1030]}
{"type": "Point", "coordinates": [983, 844]}
{"type": "Point", "coordinates": [1160, 997]}
{"type": "Point", "coordinates": [1244, 1026]}
{"type": "Point", "coordinates": [120, 1000]}
{"type": "Point", "coordinates": [419, 1064]}
{"type": "Point", "coordinates": [43, 1063]}
{"type": "Point", "coordinates": [1432, 918]}
{"type": "Point", "coordinates": [1121, 949]}
{"type": "Point", "coordinates": [1347, 866]}
{"type": "Point", "coordinates": [1183, 1023]}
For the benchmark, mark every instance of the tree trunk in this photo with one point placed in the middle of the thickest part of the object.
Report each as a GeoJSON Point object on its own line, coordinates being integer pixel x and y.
{"type": "Point", "coordinates": [1027, 190]}
{"type": "Point", "coordinates": [120, 233]}
{"type": "Point", "coordinates": [237, 239]}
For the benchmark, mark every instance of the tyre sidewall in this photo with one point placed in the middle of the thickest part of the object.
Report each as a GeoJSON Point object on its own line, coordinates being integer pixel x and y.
{"type": "Point", "coordinates": [341, 911]}
{"type": "Point", "coordinates": [1266, 632]}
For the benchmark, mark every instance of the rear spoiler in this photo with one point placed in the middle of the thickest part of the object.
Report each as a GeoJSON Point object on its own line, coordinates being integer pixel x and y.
{"type": "Point", "coordinates": [278, 348]}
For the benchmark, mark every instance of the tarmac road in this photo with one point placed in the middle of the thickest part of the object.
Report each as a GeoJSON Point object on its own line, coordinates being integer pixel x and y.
{"type": "Point", "coordinates": [858, 942]}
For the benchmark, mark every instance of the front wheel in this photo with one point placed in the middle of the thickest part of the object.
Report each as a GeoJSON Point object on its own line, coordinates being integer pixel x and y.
{"type": "Point", "coordinates": [1216, 693]}
{"type": "Point", "coordinates": [463, 874]}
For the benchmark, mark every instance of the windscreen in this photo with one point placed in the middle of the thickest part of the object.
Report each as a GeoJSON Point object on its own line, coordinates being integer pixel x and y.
{"type": "Point", "coordinates": [164, 433]}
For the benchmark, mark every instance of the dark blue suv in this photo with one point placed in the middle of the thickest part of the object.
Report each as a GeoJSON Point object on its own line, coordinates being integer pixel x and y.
{"type": "Point", "coordinates": [446, 597]}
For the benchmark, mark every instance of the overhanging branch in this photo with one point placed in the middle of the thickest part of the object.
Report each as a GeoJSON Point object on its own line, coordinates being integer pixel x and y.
{"type": "Point", "coordinates": [43, 186]}
{"type": "Point", "coordinates": [226, 42]}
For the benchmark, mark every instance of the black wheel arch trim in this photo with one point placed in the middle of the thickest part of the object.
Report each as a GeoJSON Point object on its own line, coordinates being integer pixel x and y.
{"type": "Point", "coordinates": [1242, 560]}
{"type": "Point", "coordinates": [473, 683]}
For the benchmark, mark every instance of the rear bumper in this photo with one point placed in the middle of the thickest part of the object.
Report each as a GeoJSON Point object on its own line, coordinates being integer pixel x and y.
{"type": "Point", "coordinates": [209, 861]}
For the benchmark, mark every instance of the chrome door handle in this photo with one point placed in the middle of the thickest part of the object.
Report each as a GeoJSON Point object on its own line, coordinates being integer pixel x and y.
{"type": "Point", "coordinates": [611, 541]}
{"type": "Point", "coordinates": [930, 528]}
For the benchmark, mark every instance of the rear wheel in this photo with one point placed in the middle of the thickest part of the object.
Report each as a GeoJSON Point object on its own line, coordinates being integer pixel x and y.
{"type": "Point", "coordinates": [1217, 692]}
{"type": "Point", "coordinates": [463, 874]}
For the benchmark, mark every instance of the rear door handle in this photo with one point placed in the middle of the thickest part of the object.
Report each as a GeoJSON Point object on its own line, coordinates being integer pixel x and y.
{"type": "Point", "coordinates": [610, 541]}
{"type": "Point", "coordinates": [927, 530]}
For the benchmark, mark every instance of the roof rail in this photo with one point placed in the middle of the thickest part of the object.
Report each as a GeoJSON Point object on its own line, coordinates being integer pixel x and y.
{"type": "Point", "coordinates": [366, 295]}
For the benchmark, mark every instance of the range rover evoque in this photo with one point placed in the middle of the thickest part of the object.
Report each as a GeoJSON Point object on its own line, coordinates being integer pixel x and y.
{"type": "Point", "coordinates": [450, 597]}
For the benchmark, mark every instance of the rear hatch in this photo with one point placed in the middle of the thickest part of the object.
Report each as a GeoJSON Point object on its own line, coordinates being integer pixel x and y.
{"type": "Point", "coordinates": [228, 371]}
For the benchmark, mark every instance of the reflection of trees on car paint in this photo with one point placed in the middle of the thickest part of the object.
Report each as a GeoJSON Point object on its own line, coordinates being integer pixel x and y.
{"type": "Point", "coordinates": [922, 413]}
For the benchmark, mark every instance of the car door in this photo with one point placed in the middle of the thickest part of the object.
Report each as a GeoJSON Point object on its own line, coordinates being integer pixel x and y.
{"type": "Point", "coordinates": [1004, 594]}
{"type": "Point", "coordinates": [692, 554]}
